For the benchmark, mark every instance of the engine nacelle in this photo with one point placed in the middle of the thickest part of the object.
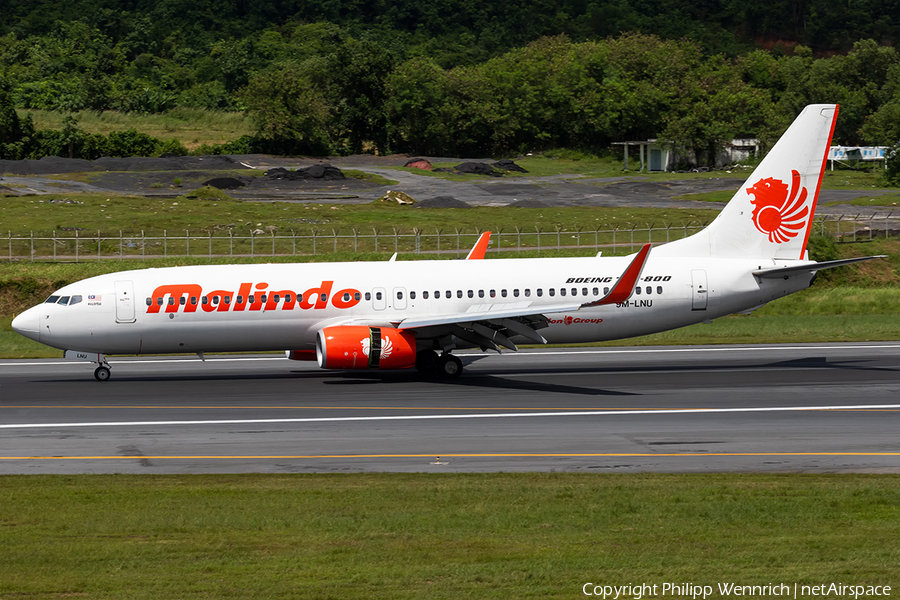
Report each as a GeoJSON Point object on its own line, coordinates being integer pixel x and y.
{"type": "Point", "coordinates": [361, 347]}
{"type": "Point", "coordinates": [300, 354]}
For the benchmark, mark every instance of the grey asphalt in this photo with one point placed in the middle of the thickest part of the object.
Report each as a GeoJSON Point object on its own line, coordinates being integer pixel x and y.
{"type": "Point", "coordinates": [803, 408]}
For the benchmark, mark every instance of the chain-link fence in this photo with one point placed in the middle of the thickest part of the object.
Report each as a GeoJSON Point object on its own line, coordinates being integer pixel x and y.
{"type": "Point", "coordinates": [82, 245]}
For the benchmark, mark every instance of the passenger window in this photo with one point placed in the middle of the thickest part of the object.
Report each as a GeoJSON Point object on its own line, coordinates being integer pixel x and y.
{"type": "Point", "coordinates": [368, 296]}
{"type": "Point", "coordinates": [584, 291]}
{"type": "Point", "coordinates": [425, 295]}
{"type": "Point", "coordinates": [52, 300]}
{"type": "Point", "coordinates": [159, 301]}
{"type": "Point", "coordinates": [182, 301]}
{"type": "Point", "coordinates": [605, 291]}
{"type": "Point", "coordinates": [324, 298]}
{"type": "Point", "coordinates": [481, 293]}
{"type": "Point", "coordinates": [659, 289]}
{"type": "Point", "coordinates": [471, 294]}
{"type": "Point", "coordinates": [540, 292]}
{"type": "Point", "coordinates": [287, 297]}
{"type": "Point", "coordinates": [552, 291]}
{"type": "Point", "coordinates": [527, 293]}
{"type": "Point", "coordinates": [346, 297]}
{"type": "Point", "coordinates": [447, 294]}
{"type": "Point", "coordinates": [503, 293]}
{"type": "Point", "coordinates": [251, 299]}
{"type": "Point", "coordinates": [300, 298]}
{"type": "Point", "coordinates": [215, 300]}
{"type": "Point", "coordinates": [378, 295]}
{"type": "Point", "coordinates": [74, 300]}
{"type": "Point", "coordinates": [356, 296]}
{"type": "Point", "coordinates": [64, 300]}
{"type": "Point", "coordinates": [399, 295]}
{"type": "Point", "coordinates": [574, 291]}
{"type": "Point", "coordinates": [649, 290]}
{"type": "Point", "coordinates": [412, 295]}
{"type": "Point", "coordinates": [516, 292]}
{"type": "Point", "coordinates": [262, 298]}
{"type": "Point", "coordinates": [437, 294]}
{"type": "Point", "coordinates": [493, 293]}
{"type": "Point", "coordinates": [459, 293]}
{"type": "Point", "coordinates": [637, 290]}
{"type": "Point", "coordinates": [276, 298]}
{"type": "Point", "coordinates": [194, 300]}
{"type": "Point", "coordinates": [205, 299]}
{"type": "Point", "coordinates": [171, 301]}
{"type": "Point", "coordinates": [562, 291]}
{"type": "Point", "coordinates": [149, 301]}
{"type": "Point", "coordinates": [596, 292]}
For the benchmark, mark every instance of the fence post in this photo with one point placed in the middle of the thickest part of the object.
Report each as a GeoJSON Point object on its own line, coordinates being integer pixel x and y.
{"type": "Point", "coordinates": [314, 231]}
{"type": "Point", "coordinates": [273, 242]}
{"type": "Point", "coordinates": [632, 238]}
{"type": "Point", "coordinates": [557, 238]}
{"type": "Point", "coordinates": [457, 243]}
{"type": "Point", "coordinates": [293, 242]}
{"type": "Point", "coordinates": [121, 243]}
{"type": "Point", "coordinates": [54, 245]}
{"type": "Point", "coordinates": [32, 246]}
{"type": "Point", "coordinates": [668, 227]}
{"type": "Point", "coordinates": [539, 238]}
{"type": "Point", "coordinates": [335, 240]}
{"type": "Point", "coordinates": [9, 233]}
{"type": "Point", "coordinates": [855, 221]}
{"type": "Point", "coordinates": [252, 244]}
{"type": "Point", "coordinates": [650, 233]}
{"type": "Point", "coordinates": [355, 238]}
{"type": "Point", "coordinates": [375, 233]}
{"type": "Point", "coordinates": [438, 240]}
{"type": "Point", "coordinates": [187, 237]}
{"type": "Point", "coordinates": [165, 243]}
{"type": "Point", "coordinates": [76, 244]}
{"type": "Point", "coordinates": [209, 245]}
{"type": "Point", "coordinates": [143, 246]}
{"type": "Point", "coordinates": [230, 242]}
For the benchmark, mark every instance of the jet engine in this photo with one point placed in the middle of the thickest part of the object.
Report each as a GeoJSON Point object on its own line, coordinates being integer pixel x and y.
{"type": "Point", "coordinates": [360, 347]}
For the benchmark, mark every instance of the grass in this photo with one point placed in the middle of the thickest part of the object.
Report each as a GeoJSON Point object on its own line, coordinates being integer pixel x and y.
{"type": "Point", "coordinates": [190, 126]}
{"type": "Point", "coordinates": [437, 536]}
{"type": "Point", "coordinates": [132, 214]}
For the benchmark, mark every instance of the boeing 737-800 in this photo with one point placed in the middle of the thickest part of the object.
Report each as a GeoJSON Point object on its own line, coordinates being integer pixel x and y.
{"type": "Point", "coordinates": [396, 315]}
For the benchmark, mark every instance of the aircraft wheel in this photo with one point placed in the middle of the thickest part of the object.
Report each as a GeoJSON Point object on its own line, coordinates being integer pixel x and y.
{"type": "Point", "coordinates": [449, 367]}
{"type": "Point", "coordinates": [426, 361]}
{"type": "Point", "coordinates": [102, 373]}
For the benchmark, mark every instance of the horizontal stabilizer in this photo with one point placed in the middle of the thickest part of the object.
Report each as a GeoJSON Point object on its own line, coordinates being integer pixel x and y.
{"type": "Point", "coordinates": [810, 267]}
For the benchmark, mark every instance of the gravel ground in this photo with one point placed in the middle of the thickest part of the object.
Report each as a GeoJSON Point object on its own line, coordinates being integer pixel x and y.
{"type": "Point", "coordinates": [158, 176]}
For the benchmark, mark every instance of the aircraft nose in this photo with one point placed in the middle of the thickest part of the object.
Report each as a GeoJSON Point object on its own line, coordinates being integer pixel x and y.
{"type": "Point", "coordinates": [28, 323]}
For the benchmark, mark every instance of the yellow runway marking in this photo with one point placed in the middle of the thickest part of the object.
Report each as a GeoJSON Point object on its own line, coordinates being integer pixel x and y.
{"type": "Point", "coordinates": [463, 455]}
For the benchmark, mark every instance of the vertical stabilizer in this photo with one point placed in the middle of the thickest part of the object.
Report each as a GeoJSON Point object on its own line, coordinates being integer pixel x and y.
{"type": "Point", "coordinates": [771, 215]}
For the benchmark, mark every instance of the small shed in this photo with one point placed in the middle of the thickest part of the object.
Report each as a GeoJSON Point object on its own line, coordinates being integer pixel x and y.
{"type": "Point", "coordinates": [658, 155]}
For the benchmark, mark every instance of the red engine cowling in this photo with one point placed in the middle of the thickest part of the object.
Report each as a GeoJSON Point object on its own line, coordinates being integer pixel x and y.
{"type": "Point", "coordinates": [360, 347]}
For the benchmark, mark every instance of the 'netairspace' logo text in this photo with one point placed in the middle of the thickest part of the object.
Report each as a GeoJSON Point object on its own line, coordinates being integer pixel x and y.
{"type": "Point", "coordinates": [638, 591]}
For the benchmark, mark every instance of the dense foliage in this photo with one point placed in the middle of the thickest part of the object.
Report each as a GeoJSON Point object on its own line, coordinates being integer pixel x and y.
{"type": "Point", "coordinates": [454, 76]}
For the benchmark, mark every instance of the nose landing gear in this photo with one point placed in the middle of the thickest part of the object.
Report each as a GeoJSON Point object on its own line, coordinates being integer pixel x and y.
{"type": "Point", "coordinates": [102, 373]}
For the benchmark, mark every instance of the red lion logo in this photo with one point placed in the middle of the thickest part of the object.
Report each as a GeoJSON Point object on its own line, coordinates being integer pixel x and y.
{"type": "Point", "coordinates": [775, 213]}
{"type": "Point", "coordinates": [568, 320]}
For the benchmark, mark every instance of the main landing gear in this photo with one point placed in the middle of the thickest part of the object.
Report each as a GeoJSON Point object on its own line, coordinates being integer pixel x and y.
{"type": "Point", "coordinates": [445, 366]}
{"type": "Point", "coordinates": [102, 373]}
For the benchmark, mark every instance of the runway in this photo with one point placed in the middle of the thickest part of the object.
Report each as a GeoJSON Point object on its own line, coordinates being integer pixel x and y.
{"type": "Point", "coordinates": [801, 408]}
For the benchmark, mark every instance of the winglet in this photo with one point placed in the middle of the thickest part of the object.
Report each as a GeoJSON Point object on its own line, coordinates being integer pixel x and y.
{"type": "Point", "coordinates": [480, 248]}
{"type": "Point", "coordinates": [625, 286]}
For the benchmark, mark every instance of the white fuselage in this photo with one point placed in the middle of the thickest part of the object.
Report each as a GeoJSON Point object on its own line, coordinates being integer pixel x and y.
{"type": "Point", "coordinates": [184, 309]}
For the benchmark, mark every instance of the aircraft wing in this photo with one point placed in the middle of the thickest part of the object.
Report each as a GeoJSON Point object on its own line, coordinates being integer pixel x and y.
{"type": "Point", "coordinates": [490, 325]}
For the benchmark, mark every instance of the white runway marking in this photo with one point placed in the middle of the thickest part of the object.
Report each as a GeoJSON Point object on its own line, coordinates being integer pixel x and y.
{"type": "Point", "coordinates": [592, 413]}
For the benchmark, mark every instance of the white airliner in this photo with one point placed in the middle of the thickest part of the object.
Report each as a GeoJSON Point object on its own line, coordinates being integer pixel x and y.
{"type": "Point", "coordinates": [396, 315]}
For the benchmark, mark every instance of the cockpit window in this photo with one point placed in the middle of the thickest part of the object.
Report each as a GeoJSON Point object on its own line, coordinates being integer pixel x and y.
{"type": "Point", "coordinates": [74, 300]}
{"type": "Point", "coordinates": [51, 300]}
{"type": "Point", "coordinates": [64, 300]}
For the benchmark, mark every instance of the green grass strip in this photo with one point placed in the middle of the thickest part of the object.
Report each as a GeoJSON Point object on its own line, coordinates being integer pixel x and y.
{"type": "Point", "coordinates": [438, 536]}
